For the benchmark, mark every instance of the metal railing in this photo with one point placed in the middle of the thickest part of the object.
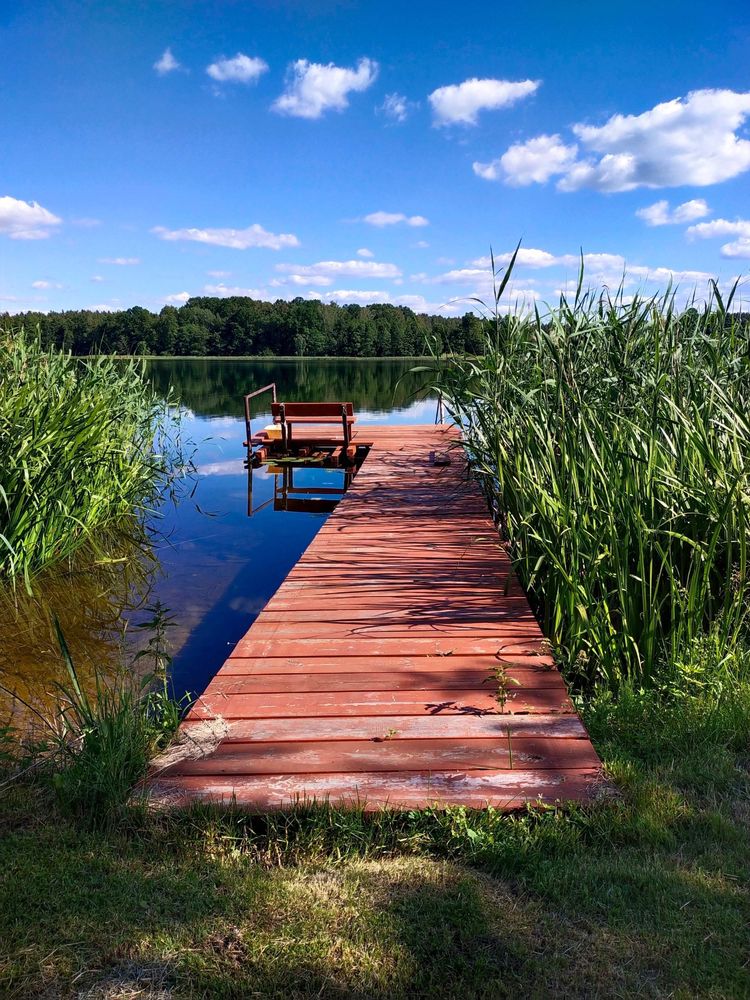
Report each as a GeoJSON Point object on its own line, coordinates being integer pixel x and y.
{"type": "Point", "coordinates": [271, 387]}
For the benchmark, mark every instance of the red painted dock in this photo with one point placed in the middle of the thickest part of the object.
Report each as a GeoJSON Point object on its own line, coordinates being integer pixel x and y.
{"type": "Point", "coordinates": [371, 675]}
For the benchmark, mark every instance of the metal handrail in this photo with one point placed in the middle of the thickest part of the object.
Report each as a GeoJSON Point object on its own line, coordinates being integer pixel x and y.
{"type": "Point", "coordinates": [271, 387]}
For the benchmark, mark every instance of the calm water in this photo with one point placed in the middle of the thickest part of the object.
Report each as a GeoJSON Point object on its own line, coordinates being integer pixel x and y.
{"type": "Point", "coordinates": [211, 564]}
{"type": "Point", "coordinates": [220, 566]}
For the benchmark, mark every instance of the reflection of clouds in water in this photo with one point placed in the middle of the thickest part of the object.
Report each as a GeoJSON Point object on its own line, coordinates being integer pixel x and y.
{"type": "Point", "coordinates": [420, 411]}
{"type": "Point", "coordinates": [231, 467]}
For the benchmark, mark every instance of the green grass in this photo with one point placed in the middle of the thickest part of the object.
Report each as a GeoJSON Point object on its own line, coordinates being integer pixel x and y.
{"type": "Point", "coordinates": [612, 439]}
{"type": "Point", "coordinates": [82, 453]}
{"type": "Point", "coordinates": [646, 895]}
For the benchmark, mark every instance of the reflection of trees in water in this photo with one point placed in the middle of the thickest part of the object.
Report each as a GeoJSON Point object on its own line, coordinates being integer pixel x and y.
{"type": "Point", "coordinates": [213, 387]}
{"type": "Point", "coordinates": [90, 598]}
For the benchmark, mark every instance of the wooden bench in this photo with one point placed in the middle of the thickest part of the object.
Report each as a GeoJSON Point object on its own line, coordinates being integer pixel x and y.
{"type": "Point", "coordinates": [313, 414]}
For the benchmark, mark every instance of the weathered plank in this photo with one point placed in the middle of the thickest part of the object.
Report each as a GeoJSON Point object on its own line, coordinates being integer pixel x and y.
{"type": "Point", "coordinates": [342, 704]}
{"type": "Point", "coordinates": [394, 790]}
{"type": "Point", "coordinates": [432, 755]}
{"type": "Point", "coordinates": [374, 727]}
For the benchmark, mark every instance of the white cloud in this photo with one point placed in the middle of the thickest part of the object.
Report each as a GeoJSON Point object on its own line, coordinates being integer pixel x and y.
{"type": "Point", "coordinates": [237, 239]}
{"type": "Point", "coordinates": [304, 279]}
{"type": "Point", "coordinates": [660, 214]}
{"type": "Point", "coordinates": [693, 140]}
{"type": "Point", "coordinates": [527, 256]}
{"type": "Point", "coordinates": [381, 219]}
{"type": "Point", "coordinates": [120, 261]}
{"type": "Point", "coordinates": [739, 248]}
{"type": "Point", "coordinates": [462, 102]}
{"type": "Point", "coordinates": [364, 252]}
{"type": "Point", "coordinates": [239, 69]}
{"type": "Point", "coordinates": [532, 162]}
{"type": "Point", "coordinates": [96, 278]}
{"type": "Point", "coordinates": [603, 268]}
{"type": "Point", "coordinates": [342, 268]}
{"type": "Point", "coordinates": [361, 297]}
{"type": "Point", "coordinates": [25, 220]}
{"type": "Point", "coordinates": [396, 107]}
{"type": "Point", "coordinates": [166, 63]}
{"type": "Point", "coordinates": [224, 291]}
{"type": "Point", "coordinates": [719, 227]}
{"type": "Point", "coordinates": [105, 307]}
{"type": "Point", "coordinates": [219, 274]}
{"type": "Point", "coordinates": [86, 223]}
{"type": "Point", "coordinates": [177, 297]}
{"type": "Point", "coordinates": [314, 88]}
{"type": "Point", "coordinates": [41, 284]}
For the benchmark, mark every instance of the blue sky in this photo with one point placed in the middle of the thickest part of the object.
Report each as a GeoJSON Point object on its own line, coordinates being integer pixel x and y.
{"type": "Point", "coordinates": [368, 151]}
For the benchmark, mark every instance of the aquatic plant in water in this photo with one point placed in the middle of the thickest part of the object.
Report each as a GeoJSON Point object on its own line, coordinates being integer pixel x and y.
{"type": "Point", "coordinates": [612, 437]}
{"type": "Point", "coordinates": [85, 444]}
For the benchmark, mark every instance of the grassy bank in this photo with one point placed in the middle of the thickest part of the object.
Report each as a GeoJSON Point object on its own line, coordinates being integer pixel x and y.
{"type": "Point", "coordinates": [646, 896]}
{"type": "Point", "coordinates": [82, 453]}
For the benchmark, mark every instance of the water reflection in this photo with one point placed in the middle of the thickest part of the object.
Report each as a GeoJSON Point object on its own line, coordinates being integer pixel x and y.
{"type": "Point", "coordinates": [294, 489]}
{"type": "Point", "coordinates": [211, 565]}
{"type": "Point", "coordinates": [92, 600]}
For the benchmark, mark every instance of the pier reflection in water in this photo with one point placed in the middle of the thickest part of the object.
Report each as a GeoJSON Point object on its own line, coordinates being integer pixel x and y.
{"type": "Point", "coordinates": [300, 489]}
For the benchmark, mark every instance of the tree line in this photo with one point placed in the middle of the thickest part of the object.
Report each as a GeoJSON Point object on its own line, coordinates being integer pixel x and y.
{"type": "Point", "coordinates": [238, 326]}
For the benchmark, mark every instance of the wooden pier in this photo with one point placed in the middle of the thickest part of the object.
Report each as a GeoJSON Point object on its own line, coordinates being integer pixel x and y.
{"type": "Point", "coordinates": [398, 665]}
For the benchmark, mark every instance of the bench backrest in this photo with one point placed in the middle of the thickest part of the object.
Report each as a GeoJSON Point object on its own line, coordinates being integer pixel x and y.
{"type": "Point", "coordinates": [293, 410]}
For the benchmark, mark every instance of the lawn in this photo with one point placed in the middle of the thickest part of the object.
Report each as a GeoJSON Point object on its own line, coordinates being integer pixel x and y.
{"type": "Point", "coordinates": [646, 895]}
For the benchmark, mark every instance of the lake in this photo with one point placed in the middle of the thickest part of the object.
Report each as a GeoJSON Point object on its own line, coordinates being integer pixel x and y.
{"type": "Point", "coordinates": [209, 561]}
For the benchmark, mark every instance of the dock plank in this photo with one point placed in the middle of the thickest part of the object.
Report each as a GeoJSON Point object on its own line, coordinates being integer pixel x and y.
{"type": "Point", "coordinates": [370, 677]}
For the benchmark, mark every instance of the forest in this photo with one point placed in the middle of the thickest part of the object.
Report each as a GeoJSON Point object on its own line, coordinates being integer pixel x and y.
{"type": "Point", "coordinates": [240, 326]}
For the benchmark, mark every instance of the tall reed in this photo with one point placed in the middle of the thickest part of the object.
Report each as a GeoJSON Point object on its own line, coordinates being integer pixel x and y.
{"type": "Point", "coordinates": [82, 448]}
{"type": "Point", "coordinates": [612, 436]}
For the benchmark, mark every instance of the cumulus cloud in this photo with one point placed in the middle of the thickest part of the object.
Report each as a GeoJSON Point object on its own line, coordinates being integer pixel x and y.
{"type": "Point", "coordinates": [177, 297]}
{"type": "Point", "coordinates": [26, 220]}
{"type": "Point", "coordinates": [360, 297]}
{"type": "Point", "coordinates": [396, 107]}
{"type": "Point", "coordinates": [342, 268]}
{"type": "Point", "coordinates": [364, 252]}
{"type": "Point", "coordinates": [120, 261]}
{"type": "Point", "coordinates": [381, 219]}
{"type": "Point", "coordinates": [460, 103]}
{"type": "Point", "coordinates": [239, 69]}
{"type": "Point", "coordinates": [660, 214]}
{"type": "Point", "coordinates": [166, 63]}
{"type": "Point", "coordinates": [603, 268]}
{"type": "Point", "coordinates": [532, 162]}
{"type": "Point", "coordinates": [42, 284]}
{"type": "Point", "coordinates": [236, 239]}
{"type": "Point", "coordinates": [303, 279]}
{"type": "Point", "coordinates": [719, 227]}
{"type": "Point", "coordinates": [735, 249]}
{"type": "Point", "coordinates": [693, 140]}
{"type": "Point", "coordinates": [314, 88]}
{"type": "Point", "coordinates": [225, 291]}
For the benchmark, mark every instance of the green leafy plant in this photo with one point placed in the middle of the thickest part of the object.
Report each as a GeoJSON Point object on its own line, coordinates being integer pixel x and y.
{"type": "Point", "coordinates": [611, 436]}
{"type": "Point", "coordinates": [503, 684]}
{"type": "Point", "coordinates": [86, 447]}
{"type": "Point", "coordinates": [105, 739]}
